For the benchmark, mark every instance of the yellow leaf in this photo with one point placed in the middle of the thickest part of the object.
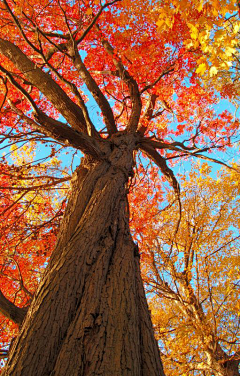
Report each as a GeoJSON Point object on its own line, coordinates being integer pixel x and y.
{"type": "Point", "coordinates": [201, 68]}
{"type": "Point", "coordinates": [169, 22]}
{"type": "Point", "coordinates": [194, 30]}
{"type": "Point", "coordinates": [236, 28]}
{"type": "Point", "coordinates": [213, 71]}
{"type": "Point", "coordinates": [200, 7]}
{"type": "Point", "coordinates": [215, 12]}
{"type": "Point", "coordinates": [159, 23]}
{"type": "Point", "coordinates": [229, 51]}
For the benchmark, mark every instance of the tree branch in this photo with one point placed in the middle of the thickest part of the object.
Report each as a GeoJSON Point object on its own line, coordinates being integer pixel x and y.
{"type": "Point", "coordinates": [130, 82]}
{"type": "Point", "coordinates": [62, 132]}
{"type": "Point", "coordinates": [191, 151]}
{"type": "Point", "coordinates": [3, 354]}
{"type": "Point", "coordinates": [148, 113]}
{"type": "Point", "coordinates": [96, 93]}
{"type": "Point", "coordinates": [161, 163]}
{"type": "Point", "coordinates": [11, 311]}
{"type": "Point", "coordinates": [94, 20]}
{"type": "Point", "coordinates": [43, 81]}
{"type": "Point", "coordinates": [164, 73]}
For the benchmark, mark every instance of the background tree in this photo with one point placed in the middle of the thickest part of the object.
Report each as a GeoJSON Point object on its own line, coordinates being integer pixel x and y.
{"type": "Point", "coordinates": [89, 314]}
{"type": "Point", "coordinates": [193, 276]}
{"type": "Point", "coordinates": [211, 30]}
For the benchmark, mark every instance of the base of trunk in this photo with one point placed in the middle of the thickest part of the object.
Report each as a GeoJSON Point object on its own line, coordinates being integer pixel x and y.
{"type": "Point", "coordinates": [111, 333]}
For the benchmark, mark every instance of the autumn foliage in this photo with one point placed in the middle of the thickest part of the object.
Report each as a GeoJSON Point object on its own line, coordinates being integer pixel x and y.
{"type": "Point", "coordinates": [192, 273]}
{"type": "Point", "coordinates": [73, 75]}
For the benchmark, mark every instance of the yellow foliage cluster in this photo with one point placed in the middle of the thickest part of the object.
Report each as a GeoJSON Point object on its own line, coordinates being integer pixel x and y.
{"type": "Point", "coordinates": [193, 275]}
{"type": "Point", "coordinates": [213, 27]}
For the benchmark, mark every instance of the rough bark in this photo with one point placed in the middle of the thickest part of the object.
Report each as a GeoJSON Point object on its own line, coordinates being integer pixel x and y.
{"type": "Point", "coordinates": [232, 368]}
{"type": "Point", "coordinates": [90, 316]}
{"type": "Point", "coordinates": [222, 364]}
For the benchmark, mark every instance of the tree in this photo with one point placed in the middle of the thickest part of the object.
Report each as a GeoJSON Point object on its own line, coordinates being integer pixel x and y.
{"type": "Point", "coordinates": [193, 277]}
{"type": "Point", "coordinates": [89, 314]}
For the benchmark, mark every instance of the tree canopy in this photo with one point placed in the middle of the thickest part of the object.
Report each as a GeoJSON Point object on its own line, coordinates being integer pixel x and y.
{"type": "Point", "coordinates": [76, 77]}
{"type": "Point", "coordinates": [193, 274]}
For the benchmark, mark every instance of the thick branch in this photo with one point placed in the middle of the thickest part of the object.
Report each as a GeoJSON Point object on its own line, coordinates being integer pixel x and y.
{"type": "Point", "coordinates": [90, 127]}
{"type": "Point", "coordinates": [79, 140]}
{"type": "Point", "coordinates": [43, 81]}
{"type": "Point", "coordinates": [148, 113]}
{"type": "Point", "coordinates": [161, 163]}
{"type": "Point", "coordinates": [62, 132]}
{"type": "Point", "coordinates": [96, 93]}
{"type": "Point", "coordinates": [11, 311]}
{"type": "Point", "coordinates": [132, 86]}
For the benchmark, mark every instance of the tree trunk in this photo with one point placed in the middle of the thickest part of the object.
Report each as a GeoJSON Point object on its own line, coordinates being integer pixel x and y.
{"type": "Point", "coordinates": [232, 368]}
{"type": "Point", "coordinates": [222, 364]}
{"type": "Point", "coordinates": [229, 368]}
{"type": "Point", "coordinates": [90, 316]}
